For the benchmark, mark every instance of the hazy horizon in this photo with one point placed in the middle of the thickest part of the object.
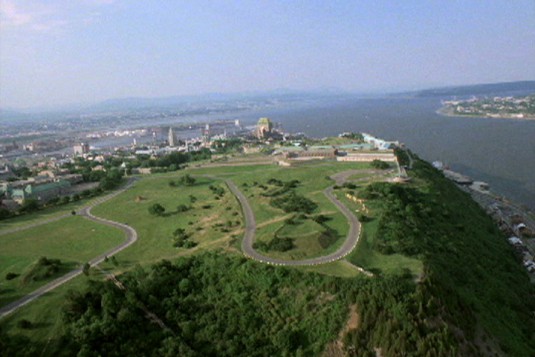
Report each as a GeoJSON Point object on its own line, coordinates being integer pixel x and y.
{"type": "Point", "coordinates": [60, 53]}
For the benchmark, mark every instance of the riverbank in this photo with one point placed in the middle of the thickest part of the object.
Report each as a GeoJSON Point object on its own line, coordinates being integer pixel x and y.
{"type": "Point", "coordinates": [448, 112]}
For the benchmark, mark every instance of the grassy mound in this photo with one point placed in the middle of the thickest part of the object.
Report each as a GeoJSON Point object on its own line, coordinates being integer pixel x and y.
{"type": "Point", "coordinates": [43, 269]}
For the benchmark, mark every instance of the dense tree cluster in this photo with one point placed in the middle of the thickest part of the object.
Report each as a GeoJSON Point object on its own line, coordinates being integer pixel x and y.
{"type": "Point", "coordinates": [379, 164]}
{"type": "Point", "coordinates": [294, 202]}
{"type": "Point", "coordinates": [470, 270]}
{"type": "Point", "coordinates": [472, 299]}
{"type": "Point", "coordinates": [209, 305]}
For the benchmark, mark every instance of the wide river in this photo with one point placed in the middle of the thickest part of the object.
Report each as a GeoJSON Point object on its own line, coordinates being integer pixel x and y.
{"type": "Point", "coordinates": [498, 151]}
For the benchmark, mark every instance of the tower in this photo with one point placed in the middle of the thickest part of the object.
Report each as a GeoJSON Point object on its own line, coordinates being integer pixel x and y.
{"type": "Point", "coordinates": [263, 128]}
{"type": "Point", "coordinates": [171, 138]}
{"type": "Point", "coordinates": [206, 134]}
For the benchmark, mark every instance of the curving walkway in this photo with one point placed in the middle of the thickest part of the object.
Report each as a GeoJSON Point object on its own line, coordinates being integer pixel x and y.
{"type": "Point", "coordinates": [250, 230]}
{"type": "Point", "coordinates": [131, 237]}
{"type": "Point", "coordinates": [247, 243]}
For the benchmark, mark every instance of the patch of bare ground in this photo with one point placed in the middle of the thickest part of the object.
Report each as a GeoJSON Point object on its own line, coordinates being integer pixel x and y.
{"type": "Point", "coordinates": [337, 348]}
{"type": "Point", "coordinates": [378, 352]}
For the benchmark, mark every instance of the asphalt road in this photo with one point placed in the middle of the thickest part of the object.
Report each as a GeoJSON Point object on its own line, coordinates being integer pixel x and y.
{"type": "Point", "coordinates": [250, 230]}
{"type": "Point", "coordinates": [131, 237]}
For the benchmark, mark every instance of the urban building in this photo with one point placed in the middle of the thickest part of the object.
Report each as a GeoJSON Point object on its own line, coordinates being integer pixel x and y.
{"type": "Point", "coordinates": [82, 148]}
{"type": "Point", "coordinates": [264, 128]}
{"type": "Point", "coordinates": [171, 137]}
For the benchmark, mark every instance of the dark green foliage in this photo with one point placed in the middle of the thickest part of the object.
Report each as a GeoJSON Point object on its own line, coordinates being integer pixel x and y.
{"type": "Point", "coordinates": [156, 209]}
{"type": "Point", "coordinates": [29, 205]}
{"type": "Point", "coordinates": [112, 179]}
{"type": "Point", "coordinates": [114, 261]}
{"type": "Point", "coordinates": [181, 239]}
{"type": "Point", "coordinates": [278, 244]}
{"type": "Point", "coordinates": [211, 305]}
{"type": "Point", "coordinates": [281, 187]}
{"type": "Point", "coordinates": [293, 202]}
{"type": "Point", "coordinates": [5, 213]}
{"type": "Point", "coordinates": [186, 180]}
{"type": "Point", "coordinates": [320, 219]}
{"type": "Point", "coordinates": [327, 238]}
{"type": "Point", "coordinates": [182, 208]}
{"type": "Point", "coordinates": [355, 136]}
{"type": "Point", "coordinates": [379, 164]}
{"type": "Point", "coordinates": [42, 269]}
{"type": "Point", "coordinates": [349, 185]}
{"type": "Point", "coordinates": [227, 145]}
{"type": "Point", "coordinates": [24, 324]}
{"type": "Point", "coordinates": [471, 273]}
{"type": "Point", "coordinates": [217, 190]}
{"type": "Point", "coordinates": [86, 268]}
{"type": "Point", "coordinates": [396, 316]}
{"type": "Point", "coordinates": [11, 276]}
{"type": "Point", "coordinates": [281, 244]}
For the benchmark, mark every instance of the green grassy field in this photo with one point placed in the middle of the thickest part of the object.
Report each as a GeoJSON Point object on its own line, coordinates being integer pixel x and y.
{"type": "Point", "coordinates": [40, 216]}
{"type": "Point", "coordinates": [365, 256]}
{"type": "Point", "coordinates": [155, 234]}
{"type": "Point", "coordinates": [73, 240]}
{"type": "Point", "coordinates": [313, 178]}
{"type": "Point", "coordinates": [207, 226]}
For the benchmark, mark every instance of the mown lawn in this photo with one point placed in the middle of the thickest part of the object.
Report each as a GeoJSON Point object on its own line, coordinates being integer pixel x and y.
{"type": "Point", "coordinates": [370, 259]}
{"type": "Point", "coordinates": [210, 221]}
{"type": "Point", "coordinates": [40, 216]}
{"type": "Point", "coordinates": [73, 240]}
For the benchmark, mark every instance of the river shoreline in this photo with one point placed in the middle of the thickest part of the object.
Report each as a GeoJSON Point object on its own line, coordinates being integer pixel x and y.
{"type": "Point", "coordinates": [444, 112]}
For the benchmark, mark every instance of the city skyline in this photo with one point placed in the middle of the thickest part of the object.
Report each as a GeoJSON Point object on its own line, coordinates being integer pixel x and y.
{"type": "Point", "coordinates": [60, 53]}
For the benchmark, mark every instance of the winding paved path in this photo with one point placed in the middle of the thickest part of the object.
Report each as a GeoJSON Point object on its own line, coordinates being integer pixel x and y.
{"type": "Point", "coordinates": [247, 243]}
{"type": "Point", "coordinates": [131, 237]}
{"type": "Point", "coordinates": [250, 230]}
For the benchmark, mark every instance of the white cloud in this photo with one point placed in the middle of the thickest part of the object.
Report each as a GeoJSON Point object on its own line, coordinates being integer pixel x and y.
{"type": "Point", "coordinates": [11, 15]}
{"type": "Point", "coordinates": [38, 16]}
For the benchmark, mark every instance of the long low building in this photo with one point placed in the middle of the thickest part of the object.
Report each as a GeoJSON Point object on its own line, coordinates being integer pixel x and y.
{"type": "Point", "coordinates": [39, 191]}
{"type": "Point", "coordinates": [312, 154]}
{"type": "Point", "coordinates": [368, 157]}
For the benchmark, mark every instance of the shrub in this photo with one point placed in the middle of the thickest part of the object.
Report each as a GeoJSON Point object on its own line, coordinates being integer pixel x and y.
{"type": "Point", "coordinates": [11, 276]}
{"type": "Point", "coordinates": [280, 244]}
{"type": "Point", "coordinates": [381, 165]}
{"type": "Point", "coordinates": [182, 208]}
{"type": "Point", "coordinates": [156, 209]}
{"type": "Point", "coordinates": [24, 324]}
{"type": "Point", "coordinates": [294, 202]}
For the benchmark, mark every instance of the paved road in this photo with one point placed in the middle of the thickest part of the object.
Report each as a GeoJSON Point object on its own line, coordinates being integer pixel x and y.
{"type": "Point", "coordinates": [131, 237]}
{"type": "Point", "coordinates": [250, 230]}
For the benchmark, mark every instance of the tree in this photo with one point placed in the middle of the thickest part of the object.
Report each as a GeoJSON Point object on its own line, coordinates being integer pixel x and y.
{"type": "Point", "coordinates": [85, 269]}
{"type": "Point", "coordinates": [381, 165]}
{"type": "Point", "coordinates": [156, 209]}
{"type": "Point", "coordinates": [187, 180]}
{"type": "Point", "coordinates": [182, 208]}
{"type": "Point", "coordinates": [29, 205]}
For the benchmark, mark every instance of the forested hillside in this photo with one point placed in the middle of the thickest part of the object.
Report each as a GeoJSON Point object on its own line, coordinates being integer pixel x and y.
{"type": "Point", "coordinates": [473, 298]}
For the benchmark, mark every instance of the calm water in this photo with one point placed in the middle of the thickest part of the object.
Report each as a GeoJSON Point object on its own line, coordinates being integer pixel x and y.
{"type": "Point", "coordinates": [500, 152]}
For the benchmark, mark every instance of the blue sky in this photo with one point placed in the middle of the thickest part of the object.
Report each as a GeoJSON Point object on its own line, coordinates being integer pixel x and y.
{"type": "Point", "coordinates": [58, 52]}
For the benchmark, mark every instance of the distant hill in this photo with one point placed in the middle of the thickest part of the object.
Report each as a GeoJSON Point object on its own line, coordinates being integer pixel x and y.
{"type": "Point", "coordinates": [504, 89]}
{"type": "Point", "coordinates": [278, 95]}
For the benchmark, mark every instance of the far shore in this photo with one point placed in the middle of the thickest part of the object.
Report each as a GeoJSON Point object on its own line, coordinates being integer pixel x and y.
{"type": "Point", "coordinates": [447, 113]}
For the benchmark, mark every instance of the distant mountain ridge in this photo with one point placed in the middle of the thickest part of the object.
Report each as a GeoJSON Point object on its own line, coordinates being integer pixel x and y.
{"type": "Point", "coordinates": [170, 101]}
{"type": "Point", "coordinates": [505, 88]}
